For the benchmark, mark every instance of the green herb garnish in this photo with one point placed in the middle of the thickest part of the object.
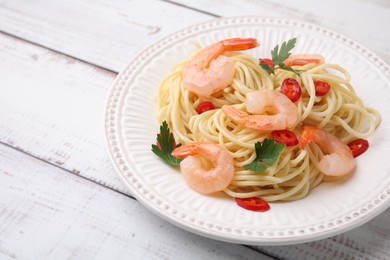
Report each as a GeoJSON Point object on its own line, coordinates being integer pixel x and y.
{"type": "Point", "coordinates": [267, 153]}
{"type": "Point", "coordinates": [279, 56]}
{"type": "Point", "coordinates": [165, 145]}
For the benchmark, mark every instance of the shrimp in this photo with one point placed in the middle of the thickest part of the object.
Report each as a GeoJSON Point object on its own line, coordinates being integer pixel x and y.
{"type": "Point", "coordinates": [303, 59]}
{"type": "Point", "coordinates": [284, 114]}
{"type": "Point", "coordinates": [202, 180]}
{"type": "Point", "coordinates": [339, 160]}
{"type": "Point", "coordinates": [209, 71]}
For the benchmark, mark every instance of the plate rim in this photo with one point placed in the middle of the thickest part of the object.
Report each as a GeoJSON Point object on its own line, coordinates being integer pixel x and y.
{"type": "Point", "coordinates": [124, 168]}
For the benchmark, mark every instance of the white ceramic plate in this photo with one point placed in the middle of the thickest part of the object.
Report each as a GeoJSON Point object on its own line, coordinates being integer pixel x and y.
{"type": "Point", "coordinates": [331, 208]}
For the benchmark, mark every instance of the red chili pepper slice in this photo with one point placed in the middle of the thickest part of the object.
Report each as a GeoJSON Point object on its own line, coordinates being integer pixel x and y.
{"type": "Point", "coordinates": [322, 88]}
{"type": "Point", "coordinates": [358, 147]}
{"type": "Point", "coordinates": [267, 61]}
{"type": "Point", "coordinates": [291, 88]}
{"type": "Point", "coordinates": [205, 106]}
{"type": "Point", "coordinates": [253, 204]}
{"type": "Point", "coordinates": [285, 136]}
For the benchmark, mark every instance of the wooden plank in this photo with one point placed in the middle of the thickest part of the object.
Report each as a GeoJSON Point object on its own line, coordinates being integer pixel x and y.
{"type": "Point", "coordinates": [362, 20]}
{"type": "Point", "coordinates": [41, 83]}
{"type": "Point", "coordinates": [112, 32]}
{"type": "Point", "coordinates": [47, 213]}
{"type": "Point", "coordinates": [369, 241]}
{"type": "Point", "coordinates": [53, 108]}
{"type": "Point", "coordinates": [105, 33]}
{"type": "Point", "coordinates": [75, 144]}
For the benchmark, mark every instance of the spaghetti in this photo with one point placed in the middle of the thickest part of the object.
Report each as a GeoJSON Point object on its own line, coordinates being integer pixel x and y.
{"type": "Point", "coordinates": [340, 112]}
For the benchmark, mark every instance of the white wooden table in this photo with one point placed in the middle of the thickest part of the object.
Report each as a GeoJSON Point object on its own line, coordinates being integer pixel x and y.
{"type": "Point", "coordinates": [60, 197]}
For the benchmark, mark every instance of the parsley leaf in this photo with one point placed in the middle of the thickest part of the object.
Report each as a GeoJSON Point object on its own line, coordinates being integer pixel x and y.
{"type": "Point", "coordinates": [280, 55]}
{"type": "Point", "coordinates": [267, 153]}
{"type": "Point", "coordinates": [167, 143]}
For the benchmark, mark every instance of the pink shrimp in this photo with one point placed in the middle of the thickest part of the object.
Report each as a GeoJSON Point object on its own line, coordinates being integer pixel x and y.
{"type": "Point", "coordinates": [339, 160]}
{"type": "Point", "coordinates": [284, 114]}
{"type": "Point", "coordinates": [199, 179]}
{"type": "Point", "coordinates": [303, 59]}
{"type": "Point", "coordinates": [209, 71]}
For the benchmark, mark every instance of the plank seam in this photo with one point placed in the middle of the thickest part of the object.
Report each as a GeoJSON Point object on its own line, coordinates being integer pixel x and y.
{"type": "Point", "coordinates": [111, 71]}
{"type": "Point", "coordinates": [192, 8]}
{"type": "Point", "coordinates": [102, 185]}
{"type": "Point", "coordinates": [58, 52]}
{"type": "Point", "coordinates": [262, 252]}
{"type": "Point", "coordinates": [64, 169]}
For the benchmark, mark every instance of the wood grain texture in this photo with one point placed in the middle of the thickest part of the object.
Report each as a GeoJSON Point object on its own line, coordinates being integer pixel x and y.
{"type": "Point", "coordinates": [369, 241]}
{"type": "Point", "coordinates": [76, 143]}
{"type": "Point", "coordinates": [55, 109]}
{"type": "Point", "coordinates": [362, 20]}
{"type": "Point", "coordinates": [105, 33]}
{"type": "Point", "coordinates": [47, 213]}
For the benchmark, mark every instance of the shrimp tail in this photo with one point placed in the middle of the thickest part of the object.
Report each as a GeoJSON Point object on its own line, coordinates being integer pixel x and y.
{"type": "Point", "coordinates": [196, 148]}
{"type": "Point", "coordinates": [308, 136]}
{"type": "Point", "coordinates": [303, 59]}
{"type": "Point", "coordinates": [239, 44]}
{"type": "Point", "coordinates": [262, 122]}
{"type": "Point", "coordinates": [235, 114]}
{"type": "Point", "coordinates": [211, 52]}
{"type": "Point", "coordinates": [184, 151]}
